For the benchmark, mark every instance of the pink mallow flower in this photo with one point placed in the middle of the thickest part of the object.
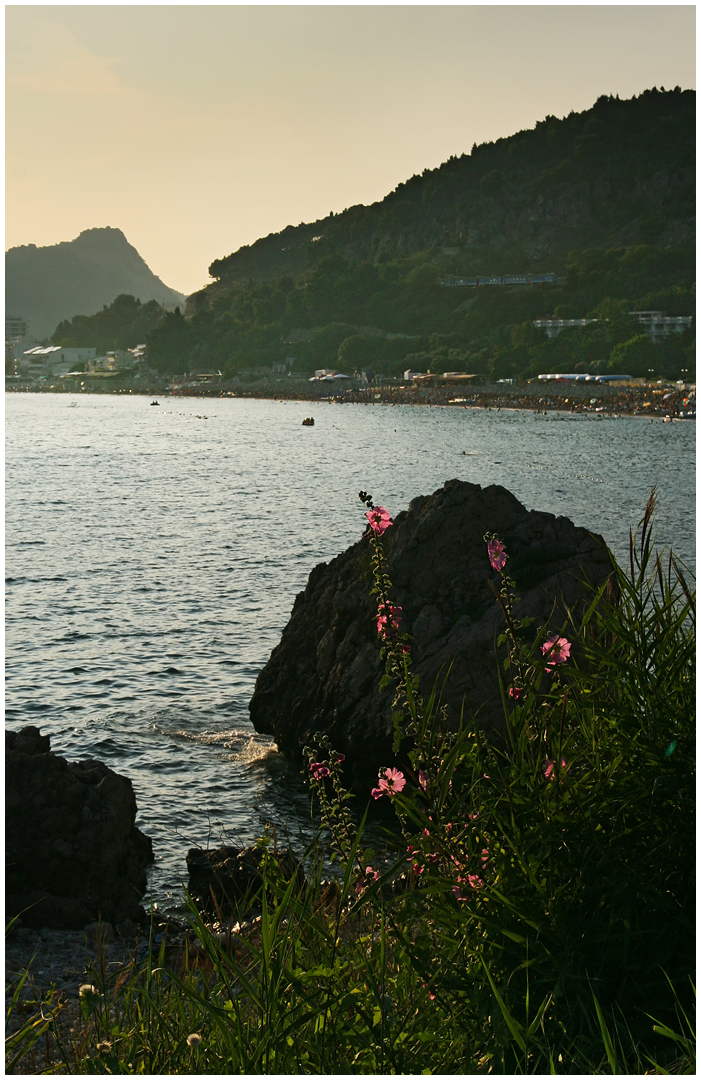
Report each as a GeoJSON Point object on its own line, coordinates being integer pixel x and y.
{"type": "Point", "coordinates": [390, 782]}
{"type": "Point", "coordinates": [516, 692]}
{"type": "Point", "coordinates": [549, 770]}
{"type": "Point", "coordinates": [379, 519]}
{"type": "Point", "coordinates": [497, 554]}
{"type": "Point", "coordinates": [370, 876]}
{"type": "Point", "coordinates": [556, 650]}
{"type": "Point", "coordinates": [388, 619]}
{"type": "Point", "coordinates": [318, 770]}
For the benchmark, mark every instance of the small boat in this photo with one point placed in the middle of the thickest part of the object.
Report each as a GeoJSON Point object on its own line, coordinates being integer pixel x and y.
{"type": "Point", "coordinates": [308, 421]}
{"type": "Point", "coordinates": [155, 403]}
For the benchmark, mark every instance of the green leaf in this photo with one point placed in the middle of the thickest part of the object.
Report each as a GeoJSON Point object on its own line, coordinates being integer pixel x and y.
{"type": "Point", "coordinates": [513, 1025]}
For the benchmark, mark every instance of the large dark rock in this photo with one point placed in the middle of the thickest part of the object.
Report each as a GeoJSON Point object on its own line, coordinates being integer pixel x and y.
{"type": "Point", "coordinates": [325, 673]}
{"type": "Point", "coordinates": [72, 851]}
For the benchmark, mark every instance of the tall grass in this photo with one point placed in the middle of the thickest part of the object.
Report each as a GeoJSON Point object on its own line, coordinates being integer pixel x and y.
{"type": "Point", "coordinates": [539, 918]}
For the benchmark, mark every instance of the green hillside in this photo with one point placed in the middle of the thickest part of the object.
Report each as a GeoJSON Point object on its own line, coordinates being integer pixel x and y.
{"type": "Point", "coordinates": [604, 199]}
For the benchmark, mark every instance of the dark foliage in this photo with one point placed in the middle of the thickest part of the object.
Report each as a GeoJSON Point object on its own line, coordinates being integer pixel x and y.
{"type": "Point", "coordinates": [122, 325]}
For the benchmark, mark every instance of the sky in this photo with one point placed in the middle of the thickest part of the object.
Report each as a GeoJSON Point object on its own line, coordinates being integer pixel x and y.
{"type": "Point", "coordinates": [196, 129]}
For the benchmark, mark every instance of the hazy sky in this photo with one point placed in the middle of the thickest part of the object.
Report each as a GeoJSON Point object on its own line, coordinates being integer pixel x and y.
{"type": "Point", "coordinates": [198, 129]}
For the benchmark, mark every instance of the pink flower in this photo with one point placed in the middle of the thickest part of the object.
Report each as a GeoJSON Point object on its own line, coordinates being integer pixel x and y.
{"type": "Point", "coordinates": [497, 554]}
{"type": "Point", "coordinates": [426, 832]}
{"type": "Point", "coordinates": [549, 770]}
{"type": "Point", "coordinates": [457, 893]}
{"type": "Point", "coordinates": [388, 619]}
{"type": "Point", "coordinates": [423, 779]}
{"type": "Point", "coordinates": [406, 649]}
{"type": "Point", "coordinates": [318, 770]}
{"type": "Point", "coordinates": [379, 519]}
{"type": "Point", "coordinates": [431, 994]}
{"type": "Point", "coordinates": [485, 856]}
{"type": "Point", "coordinates": [516, 692]}
{"type": "Point", "coordinates": [417, 868]}
{"type": "Point", "coordinates": [340, 757]}
{"type": "Point", "coordinates": [370, 876]}
{"type": "Point", "coordinates": [475, 881]}
{"type": "Point", "coordinates": [391, 781]}
{"type": "Point", "coordinates": [555, 650]}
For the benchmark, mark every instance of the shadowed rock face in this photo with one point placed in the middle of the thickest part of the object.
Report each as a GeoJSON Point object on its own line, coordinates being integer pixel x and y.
{"type": "Point", "coordinates": [325, 673]}
{"type": "Point", "coordinates": [228, 878]}
{"type": "Point", "coordinates": [72, 850]}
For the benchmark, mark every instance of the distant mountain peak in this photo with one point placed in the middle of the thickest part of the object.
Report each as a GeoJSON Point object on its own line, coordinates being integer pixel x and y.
{"type": "Point", "coordinates": [46, 285]}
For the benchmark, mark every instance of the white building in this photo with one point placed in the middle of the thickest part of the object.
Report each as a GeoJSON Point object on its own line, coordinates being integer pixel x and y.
{"type": "Point", "coordinates": [553, 327]}
{"type": "Point", "coordinates": [660, 325]}
{"type": "Point", "coordinates": [54, 359]}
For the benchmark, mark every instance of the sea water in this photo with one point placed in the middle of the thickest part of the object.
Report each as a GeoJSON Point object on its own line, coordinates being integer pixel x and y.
{"type": "Point", "coordinates": [153, 554]}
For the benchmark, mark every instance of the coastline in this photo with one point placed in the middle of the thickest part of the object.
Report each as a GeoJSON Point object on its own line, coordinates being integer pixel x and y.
{"type": "Point", "coordinates": [656, 400]}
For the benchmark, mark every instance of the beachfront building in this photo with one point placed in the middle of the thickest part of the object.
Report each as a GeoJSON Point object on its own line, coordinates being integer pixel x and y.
{"type": "Point", "coordinates": [580, 377]}
{"type": "Point", "coordinates": [16, 328]}
{"type": "Point", "coordinates": [53, 359]}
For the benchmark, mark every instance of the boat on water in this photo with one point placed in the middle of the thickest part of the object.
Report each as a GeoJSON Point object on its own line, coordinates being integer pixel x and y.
{"type": "Point", "coordinates": [308, 421]}
{"type": "Point", "coordinates": [155, 403]}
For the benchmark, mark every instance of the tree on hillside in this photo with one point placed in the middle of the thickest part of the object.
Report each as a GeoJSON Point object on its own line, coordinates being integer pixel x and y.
{"type": "Point", "coordinates": [121, 325]}
{"type": "Point", "coordinates": [171, 343]}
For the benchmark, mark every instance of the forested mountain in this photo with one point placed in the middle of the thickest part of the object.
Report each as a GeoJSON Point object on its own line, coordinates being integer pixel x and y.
{"type": "Point", "coordinates": [45, 285]}
{"type": "Point", "coordinates": [605, 199]}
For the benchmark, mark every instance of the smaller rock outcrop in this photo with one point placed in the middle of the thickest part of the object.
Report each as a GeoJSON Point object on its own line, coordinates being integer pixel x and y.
{"type": "Point", "coordinates": [72, 851]}
{"type": "Point", "coordinates": [228, 878]}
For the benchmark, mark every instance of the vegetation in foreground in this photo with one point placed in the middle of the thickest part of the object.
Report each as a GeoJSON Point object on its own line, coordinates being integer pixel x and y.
{"type": "Point", "coordinates": [544, 919]}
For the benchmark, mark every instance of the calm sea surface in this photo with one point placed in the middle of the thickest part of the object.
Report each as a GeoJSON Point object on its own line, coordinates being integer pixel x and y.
{"type": "Point", "coordinates": [153, 555]}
